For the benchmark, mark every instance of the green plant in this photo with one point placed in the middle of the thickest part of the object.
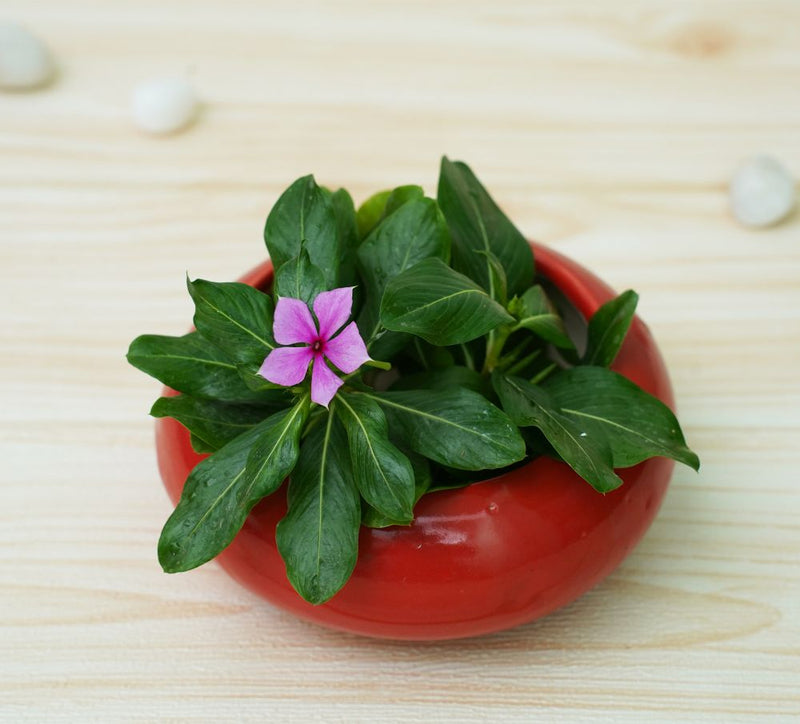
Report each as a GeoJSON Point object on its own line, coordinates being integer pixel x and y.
{"type": "Point", "coordinates": [457, 362]}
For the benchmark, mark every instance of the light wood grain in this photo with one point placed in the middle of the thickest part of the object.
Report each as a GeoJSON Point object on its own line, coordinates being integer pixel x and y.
{"type": "Point", "coordinates": [607, 130]}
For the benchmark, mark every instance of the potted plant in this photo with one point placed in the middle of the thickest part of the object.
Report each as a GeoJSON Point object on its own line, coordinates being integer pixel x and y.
{"type": "Point", "coordinates": [412, 423]}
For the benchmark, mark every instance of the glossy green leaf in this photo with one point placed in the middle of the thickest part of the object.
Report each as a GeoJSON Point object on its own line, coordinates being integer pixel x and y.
{"type": "Point", "coordinates": [416, 231]}
{"type": "Point", "coordinates": [200, 446]}
{"type": "Point", "coordinates": [190, 364]}
{"type": "Point", "coordinates": [499, 280]}
{"type": "Point", "coordinates": [304, 217]}
{"type": "Point", "coordinates": [454, 427]}
{"type": "Point", "coordinates": [275, 450]}
{"type": "Point", "coordinates": [235, 317]}
{"type": "Point", "coordinates": [536, 314]}
{"type": "Point", "coordinates": [318, 538]}
{"type": "Point", "coordinates": [255, 382]}
{"type": "Point", "coordinates": [383, 204]}
{"type": "Point", "coordinates": [478, 225]}
{"type": "Point", "coordinates": [585, 450]}
{"type": "Point", "coordinates": [637, 425]}
{"type": "Point", "coordinates": [440, 305]}
{"type": "Point", "coordinates": [223, 488]}
{"type": "Point", "coordinates": [382, 473]}
{"type": "Point", "coordinates": [371, 212]}
{"type": "Point", "coordinates": [422, 483]}
{"type": "Point", "coordinates": [298, 278]}
{"type": "Point", "coordinates": [401, 196]}
{"type": "Point", "coordinates": [607, 329]}
{"type": "Point", "coordinates": [212, 423]}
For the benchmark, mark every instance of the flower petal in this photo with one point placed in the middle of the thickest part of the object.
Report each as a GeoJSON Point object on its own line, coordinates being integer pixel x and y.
{"type": "Point", "coordinates": [286, 366]}
{"type": "Point", "coordinates": [324, 382]}
{"type": "Point", "coordinates": [347, 350]}
{"type": "Point", "coordinates": [333, 310]}
{"type": "Point", "coordinates": [293, 322]}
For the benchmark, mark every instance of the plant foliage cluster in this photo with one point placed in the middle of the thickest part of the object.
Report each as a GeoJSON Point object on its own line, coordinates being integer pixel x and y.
{"type": "Point", "coordinates": [484, 375]}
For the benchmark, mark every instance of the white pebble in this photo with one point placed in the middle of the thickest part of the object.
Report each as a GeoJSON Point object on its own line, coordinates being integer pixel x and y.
{"type": "Point", "coordinates": [762, 192]}
{"type": "Point", "coordinates": [165, 105]}
{"type": "Point", "coordinates": [24, 60]}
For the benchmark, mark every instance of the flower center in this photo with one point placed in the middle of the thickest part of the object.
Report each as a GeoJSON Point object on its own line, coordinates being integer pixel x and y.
{"type": "Point", "coordinates": [317, 346]}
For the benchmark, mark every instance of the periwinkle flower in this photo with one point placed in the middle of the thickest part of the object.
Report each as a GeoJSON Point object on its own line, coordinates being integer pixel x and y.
{"type": "Point", "coordinates": [293, 324]}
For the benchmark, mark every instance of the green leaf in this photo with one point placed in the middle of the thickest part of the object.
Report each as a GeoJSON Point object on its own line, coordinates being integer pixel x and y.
{"type": "Point", "coordinates": [426, 356]}
{"type": "Point", "coordinates": [190, 364]}
{"type": "Point", "coordinates": [439, 379]}
{"type": "Point", "coordinates": [478, 225]}
{"type": "Point", "coordinates": [537, 315]}
{"type": "Point", "coordinates": [318, 538]}
{"type": "Point", "coordinates": [607, 329]}
{"type": "Point", "coordinates": [255, 382]}
{"type": "Point", "coordinates": [382, 473]}
{"type": "Point", "coordinates": [422, 483]}
{"type": "Point", "coordinates": [298, 278]}
{"type": "Point", "coordinates": [304, 217]}
{"type": "Point", "coordinates": [454, 427]}
{"type": "Point", "coordinates": [223, 488]}
{"type": "Point", "coordinates": [276, 450]}
{"type": "Point", "coordinates": [212, 424]}
{"type": "Point", "coordinates": [637, 425]}
{"type": "Point", "coordinates": [349, 238]}
{"type": "Point", "coordinates": [382, 204]}
{"type": "Point", "coordinates": [440, 305]}
{"type": "Point", "coordinates": [416, 231]}
{"type": "Point", "coordinates": [371, 212]}
{"type": "Point", "coordinates": [200, 446]}
{"type": "Point", "coordinates": [401, 196]}
{"type": "Point", "coordinates": [235, 317]}
{"type": "Point", "coordinates": [499, 280]}
{"type": "Point", "coordinates": [586, 451]}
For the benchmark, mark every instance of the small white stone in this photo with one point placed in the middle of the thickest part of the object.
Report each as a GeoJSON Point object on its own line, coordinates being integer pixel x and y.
{"type": "Point", "coordinates": [24, 60]}
{"type": "Point", "coordinates": [164, 105]}
{"type": "Point", "coordinates": [762, 192]}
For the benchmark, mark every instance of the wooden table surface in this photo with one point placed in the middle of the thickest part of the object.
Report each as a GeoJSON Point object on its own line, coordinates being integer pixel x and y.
{"type": "Point", "coordinates": [606, 130]}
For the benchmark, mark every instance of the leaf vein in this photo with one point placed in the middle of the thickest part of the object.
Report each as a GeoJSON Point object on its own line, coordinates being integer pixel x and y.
{"type": "Point", "coordinates": [238, 324]}
{"type": "Point", "coordinates": [441, 300]}
{"type": "Point", "coordinates": [421, 413]}
{"type": "Point", "coordinates": [614, 424]}
{"type": "Point", "coordinates": [215, 503]}
{"type": "Point", "coordinates": [287, 426]}
{"type": "Point", "coordinates": [371, 450]}
{"type": "Point", "coordinates": [204, 360]}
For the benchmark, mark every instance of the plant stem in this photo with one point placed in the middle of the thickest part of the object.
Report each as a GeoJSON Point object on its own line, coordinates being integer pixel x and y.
{"type": "Point", "coordinates": [494, 347]}
{"type": "Point", "coordinates": [468, 361]}
{"type": "Point", "coordinates": [509, 357]}
{"type": "Point", "coordinates": [376, 332]}
{"type": "Point", "coordinates": [524, 362]}
{"type": "Point", "coordinates": [313, 421]}
{"type": "Point", "coordinates": [420, 354]}
{"type": "Point", "coordinates": [537, 378]}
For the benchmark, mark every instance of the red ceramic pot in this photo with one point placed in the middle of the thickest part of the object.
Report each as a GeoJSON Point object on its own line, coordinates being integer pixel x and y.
{"type": "Point", "coordinates": [482, 558]}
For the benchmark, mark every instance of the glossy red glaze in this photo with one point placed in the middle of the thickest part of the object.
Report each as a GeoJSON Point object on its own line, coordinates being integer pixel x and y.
{"type": "Point", "coordinates": [483, 558]}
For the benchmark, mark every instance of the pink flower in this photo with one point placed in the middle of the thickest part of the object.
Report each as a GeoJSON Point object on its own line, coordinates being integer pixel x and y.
{"type": "Point", "coordinates": [294, 324]}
